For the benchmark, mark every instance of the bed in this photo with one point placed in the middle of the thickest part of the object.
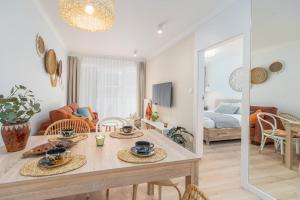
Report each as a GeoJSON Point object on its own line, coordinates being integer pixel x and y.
{"type": "Point", "coordinates": [223, 122]}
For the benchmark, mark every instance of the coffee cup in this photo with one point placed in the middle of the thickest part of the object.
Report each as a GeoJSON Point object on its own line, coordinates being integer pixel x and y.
{"type": "Point", "coordinates": [57, 154]}
{"type": "Point", "coordinates": [144, 146]}
{"type": "Point", "coordinates": [127, 129]}
{"type": "Point", "coordinates": [68, 132]}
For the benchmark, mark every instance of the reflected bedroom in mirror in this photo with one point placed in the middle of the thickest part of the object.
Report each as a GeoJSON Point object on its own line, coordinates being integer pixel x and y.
{"type": "Point", "coordinates": [222, 98]}
{"type": "Point", "coordinates": [274, 98]}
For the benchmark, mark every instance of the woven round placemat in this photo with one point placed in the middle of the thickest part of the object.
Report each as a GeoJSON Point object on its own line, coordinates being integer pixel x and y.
{"type": "Point", "coordinates": [122, 136]}
{"type": "Point", "coordinates": [31, 168]}
{"type": "Point", "coordinates": [54, 138]}
{"type": "Point", "coordinates": [127, 156]}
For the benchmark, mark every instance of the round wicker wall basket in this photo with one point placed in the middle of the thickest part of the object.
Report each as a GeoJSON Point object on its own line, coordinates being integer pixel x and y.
{"type": "Point", "coordinates": [50, 62]}
{"type": "Point", "coordinates": [259, 75]}
{"type": "Point", "coordinates": [276, 67]}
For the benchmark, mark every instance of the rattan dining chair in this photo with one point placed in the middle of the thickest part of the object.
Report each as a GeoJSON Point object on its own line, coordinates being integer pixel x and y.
{"type": "Point", "coordinates": [165, 183]}
{"type": "Point", "coordinates": [117, 121]}
{"type": "Point", "coordinates": [193, 193]}
{"type": "Point", "coordinates": [78, 125]}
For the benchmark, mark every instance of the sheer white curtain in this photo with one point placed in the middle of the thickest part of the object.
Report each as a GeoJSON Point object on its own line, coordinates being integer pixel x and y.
{"type": "Point", "coordinates": [109, 86]}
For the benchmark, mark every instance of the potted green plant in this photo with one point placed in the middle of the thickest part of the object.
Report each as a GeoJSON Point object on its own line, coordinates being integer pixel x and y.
{"type": "Point", "coordinates": [181, 136]}
{"type": "Point", "coordinates": [15, 112]}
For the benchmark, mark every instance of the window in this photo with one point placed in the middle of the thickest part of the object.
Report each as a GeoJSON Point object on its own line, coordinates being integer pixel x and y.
{"type": "Point", "coordinates": [109, 86]}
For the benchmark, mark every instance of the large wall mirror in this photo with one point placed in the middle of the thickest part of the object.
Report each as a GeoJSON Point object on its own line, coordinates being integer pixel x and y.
{"type": "Point", "coordinates": [274, 149]}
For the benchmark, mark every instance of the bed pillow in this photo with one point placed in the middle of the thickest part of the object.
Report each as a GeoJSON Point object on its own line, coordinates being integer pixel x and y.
{"type": "Point", "coordinates": [227, 109]}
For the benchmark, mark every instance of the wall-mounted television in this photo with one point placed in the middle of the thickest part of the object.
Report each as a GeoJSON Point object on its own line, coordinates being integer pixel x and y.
{"type": "Point", "coordinates": [162, 94]}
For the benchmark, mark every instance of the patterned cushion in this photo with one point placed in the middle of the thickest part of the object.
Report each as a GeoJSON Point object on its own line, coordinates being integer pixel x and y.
{"type": "Point", "coordinates": [278, 132]}
{"type": "Point", "coordinates": [282, 133]}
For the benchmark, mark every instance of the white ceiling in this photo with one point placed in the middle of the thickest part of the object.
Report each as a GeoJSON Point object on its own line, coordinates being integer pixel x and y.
{"type": "Point", "coordinates": [275, 22]}
{"type": "Point", "coordinates": [136, 24]}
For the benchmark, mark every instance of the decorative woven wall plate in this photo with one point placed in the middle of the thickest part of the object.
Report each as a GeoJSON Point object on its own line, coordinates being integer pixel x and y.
{"type": "Point", "coordinates": [53, 80]}
{"type": "Point", "coordinates": [59, 68]}
{"type": "Point", "coordinates": [276, 67]}
{"type": "Point", "coordinates": [236, 79]}
{"type": "Point", "coordinates": [50, 62]}
{"type": "Point", "coordinates": [40, 45]}
{"type": "Point", "coordinates": [258, 75]}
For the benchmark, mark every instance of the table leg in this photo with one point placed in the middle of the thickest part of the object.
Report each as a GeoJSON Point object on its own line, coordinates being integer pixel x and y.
{"type": "Point", "coordinates": [134, 194]}
{"type": "Point", "coordinates": [193, 178]}
{"type": "Point", "coordinates": [288, 154]}
{"type": "Point", "coordinates": [188, 181]}
{"type": "Point", "coordinates": [150, 189]}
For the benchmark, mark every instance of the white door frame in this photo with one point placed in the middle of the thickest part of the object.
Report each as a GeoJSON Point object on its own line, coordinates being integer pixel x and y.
{"type": "Point", "coordinates": [199, 90]}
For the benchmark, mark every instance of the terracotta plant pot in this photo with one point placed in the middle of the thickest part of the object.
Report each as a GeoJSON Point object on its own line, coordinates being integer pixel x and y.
{"type": "Point", "coordinates": [15, 137]}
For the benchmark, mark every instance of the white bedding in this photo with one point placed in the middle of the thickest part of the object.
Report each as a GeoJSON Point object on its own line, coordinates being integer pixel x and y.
{"type": "Point", "coordinates": [209, 123]}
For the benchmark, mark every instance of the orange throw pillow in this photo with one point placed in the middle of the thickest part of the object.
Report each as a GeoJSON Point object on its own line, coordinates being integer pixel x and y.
{"type": "Point", "coordinates": [91, 112]}
{"type": "Point", "coordinates": [92, 126]}
{"type": "Point", "coordinates": [86, 119]}
{"type": "Point", "coordinates": [253, 117]}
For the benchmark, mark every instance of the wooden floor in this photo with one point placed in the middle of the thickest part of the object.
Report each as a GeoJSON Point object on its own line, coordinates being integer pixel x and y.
{"type": "Point", "coordinates": [268, 173]}
{"type": "Point", "coordinates": [219, 178]}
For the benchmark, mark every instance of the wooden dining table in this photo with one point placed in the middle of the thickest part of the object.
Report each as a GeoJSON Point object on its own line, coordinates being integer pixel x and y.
{"type": "Point", "coordinates": [291, 128]}
{"type": "Point", "coordinates": [103, 169]}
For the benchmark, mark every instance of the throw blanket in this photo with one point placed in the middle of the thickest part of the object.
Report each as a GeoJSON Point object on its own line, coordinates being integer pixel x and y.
{"type": "Point", "coordinates": [222, 121]}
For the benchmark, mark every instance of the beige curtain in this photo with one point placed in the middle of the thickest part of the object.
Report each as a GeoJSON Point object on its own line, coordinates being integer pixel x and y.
{"type": "Point", "coordinates": [141, 88]}
{"type": "Point", "coordinates": [73, 80]}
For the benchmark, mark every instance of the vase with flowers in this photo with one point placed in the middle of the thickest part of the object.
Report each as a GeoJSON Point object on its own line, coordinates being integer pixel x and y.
{"type": "Point", "coordinates": [15, 112]}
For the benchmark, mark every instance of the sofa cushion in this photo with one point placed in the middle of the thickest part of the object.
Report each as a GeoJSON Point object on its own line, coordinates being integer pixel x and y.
{"type": "Point", "coordinates": [74, 106]}
{"type": "Point", "coordinates": [62, 113]}
{"type": "Point", "coordinates": [66, 109]}
{"type": "Point", "coordinates": [89, 122]}
{"type": "Point", "coordinates": [85, 112]}
{"type": "Point", "coordinates": [253, 117]}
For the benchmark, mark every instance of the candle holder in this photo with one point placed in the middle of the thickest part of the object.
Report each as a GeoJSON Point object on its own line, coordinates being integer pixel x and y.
{"type": "Point", "coordinates": [100, 138]}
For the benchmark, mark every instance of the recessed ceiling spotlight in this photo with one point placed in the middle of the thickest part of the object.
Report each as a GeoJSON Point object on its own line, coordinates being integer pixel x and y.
{"type": "Point", "coordinates": [135, 54]}
{"type": "Point", "coordinates": [160, 29]}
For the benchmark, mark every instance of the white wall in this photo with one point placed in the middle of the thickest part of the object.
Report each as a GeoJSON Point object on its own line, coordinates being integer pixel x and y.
{"type": "Point", "coordinates": [227, 58]}
{"type": "Point", "coordinates": [175, 65]}
{"type": "Point", "coordinates": [19, 64]}
{"type": "Point", "coordinates": [279, 86]}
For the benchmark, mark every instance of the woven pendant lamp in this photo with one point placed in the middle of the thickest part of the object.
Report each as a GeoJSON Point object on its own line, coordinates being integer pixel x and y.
{"type": "Point", "coordinates": [88, 15]}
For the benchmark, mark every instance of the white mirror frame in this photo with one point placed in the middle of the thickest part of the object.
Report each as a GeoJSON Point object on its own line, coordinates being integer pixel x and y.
{"type": "Point", "coordinates": [232, 22]}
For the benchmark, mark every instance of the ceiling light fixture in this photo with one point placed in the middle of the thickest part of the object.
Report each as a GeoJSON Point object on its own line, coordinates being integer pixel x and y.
{"type": "Point", "coordinates": [135, 54]}
{"type": "Point", "coordinates": [89, 9]}
{"type": "Point", "coordinates": [160, 29]}
{"type": "Point", "coordinates": [88, 15]}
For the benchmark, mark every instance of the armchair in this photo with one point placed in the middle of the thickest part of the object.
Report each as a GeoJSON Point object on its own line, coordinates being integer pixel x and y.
{"type": "Point", "coordinates": [255, 130]}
